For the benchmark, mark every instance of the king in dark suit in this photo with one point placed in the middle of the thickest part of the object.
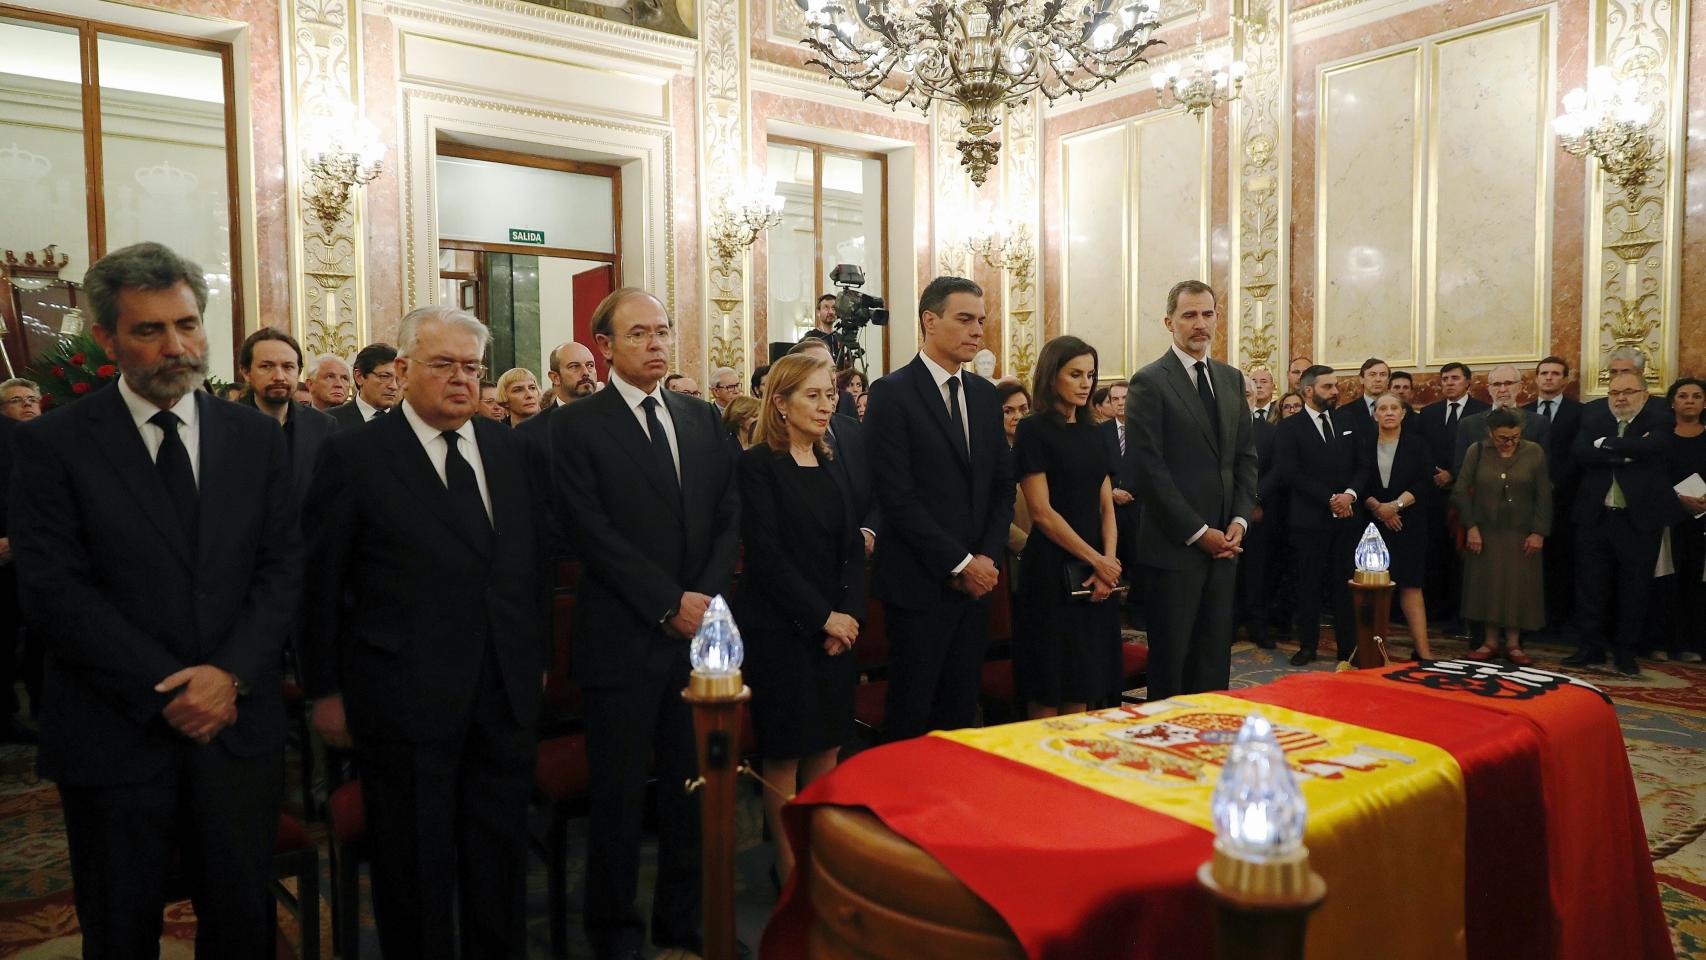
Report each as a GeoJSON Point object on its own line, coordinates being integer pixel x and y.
{"type": "Point", "coordinates": [1321, 467]}
{"type": "Point", "coordinates": [159, 563]}
{"type": "Point", "coordinates": [426, 625]}
{"type": "Point", "coordinates": [645, 484]}
{"type": "Point", "coordinates": [944, 480]}
{"type": "Point", "coordinates": [1190, 433]}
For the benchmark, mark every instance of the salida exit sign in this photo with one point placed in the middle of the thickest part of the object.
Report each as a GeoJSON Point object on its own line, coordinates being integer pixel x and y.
{"type": "Point", "coordinates": [526, 236]}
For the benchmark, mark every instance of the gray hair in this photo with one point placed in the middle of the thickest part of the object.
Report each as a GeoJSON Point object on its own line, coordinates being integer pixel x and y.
{"type": "Point", "coordinates": [320, 361]}
{"type": "Point", "coordinates": [409, 331]}
{"type": "Point", "coordinates": [19, 382]}
{"type": "Point", "coordinates": [722, 370]}
{"type": "Point", "coordinates": [140, 266]}
{"type": "Point", "coordinates": [1628, 353]}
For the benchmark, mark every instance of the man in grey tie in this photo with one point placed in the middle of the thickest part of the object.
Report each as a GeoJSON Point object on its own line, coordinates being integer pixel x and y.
{"type": "Point", "coordinates": [1189, 431]}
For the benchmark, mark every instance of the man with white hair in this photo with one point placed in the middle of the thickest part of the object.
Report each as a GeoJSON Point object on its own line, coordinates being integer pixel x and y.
{"type": "Point", "coordinates": [1631, 360]}
{"type": "Point", "coordinates": [725, 386]}
{"type": "Point", "coordinates": [1503, 386]}
{"type": "Point", "coordinates": [426, 630]}
{"type": "Point", "coordinates": [328, 381]}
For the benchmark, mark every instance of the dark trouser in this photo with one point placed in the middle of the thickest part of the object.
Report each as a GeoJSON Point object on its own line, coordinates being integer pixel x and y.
{"type": "Point", "coordinates": [1444, 580]}
{"type": "Point", "coordinates": [1127, 519]}
{"type": "Point", "coordinates": [1612, 554]}
{"type": "Point", "coordinates": [631, 732]}
{"type": "Point", "coordinates": [935, 664]}
{"type": "Point", "coordinates": [1190, 626]}
{"type": "Point", "coordinates": [447, 822]}
{"type": "Point", "coordinates": [1325, 559]}
{"type": "Point", "coordinates": [13, 666]}
{"type": "Point", "coordinates": [1559, 567]}
{"type": "Point", "coordinates": [1254, 581]}
{"type": "Point", "coordinates": [208, 821]}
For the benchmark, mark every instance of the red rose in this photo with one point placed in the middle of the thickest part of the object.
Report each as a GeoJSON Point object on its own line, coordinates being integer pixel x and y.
{"type": "Point", "coordinates": [59, 371]}
{"type": "Point", "coordinates": [106, 370]}
{"type": "Point", "coordinates": [79, 388]}
{"type": "Point", "coordinates": [46, 400]}
{"type": "Point", "coordinates": [77, 359]}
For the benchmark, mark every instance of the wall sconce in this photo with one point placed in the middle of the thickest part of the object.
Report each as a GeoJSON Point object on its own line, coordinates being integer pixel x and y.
{"type": "Point", "coordinates": [1209, 82]}
{"type": "Point", "coordinates": [343, 151]}
{"type": "Point", "coordinates": [749, 210]}
{"type": "Point", "coordinates": [1609, 121]}
{"type": "Point", "coordinates": [996, 239]}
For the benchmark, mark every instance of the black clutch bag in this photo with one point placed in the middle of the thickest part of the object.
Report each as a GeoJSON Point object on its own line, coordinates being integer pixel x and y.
{"type": "Point", "coordinates": [1076, 572]}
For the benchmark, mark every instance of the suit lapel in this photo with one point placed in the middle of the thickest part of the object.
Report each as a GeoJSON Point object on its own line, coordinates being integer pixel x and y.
{"type": "Point", "coordinates": [119, 440]}
{"type": "Point", "coordinates": [1180, 381]}
{"type": "Point", "coordinates": [409, 461]}
{"type": "Point", "coordinates": [216, 463]}
{"type": "Point", "coordinates": [689, 436]}
{"type": "Point", "coordinates": [502, 477]}
{"type": "Point", "coordinates": [932, 397]}
{"type": "Point", "coordinates": [627, 434]}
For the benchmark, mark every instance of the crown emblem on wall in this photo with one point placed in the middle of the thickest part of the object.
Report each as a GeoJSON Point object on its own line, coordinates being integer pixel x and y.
{"type": "Point", "coordinates": [18, 165]}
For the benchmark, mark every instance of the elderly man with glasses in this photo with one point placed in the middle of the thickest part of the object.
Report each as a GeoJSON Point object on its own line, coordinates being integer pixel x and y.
{"type": "Point", "coordinates": [1504, 384]}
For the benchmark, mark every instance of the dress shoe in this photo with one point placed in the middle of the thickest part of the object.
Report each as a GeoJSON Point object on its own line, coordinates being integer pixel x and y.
{"type": "Point", "coordinates": [1584, 658]}
{"type": "Point", "coordinates": [1303, 658]}
{"type": "Point", "coordinates": [1627, 666]}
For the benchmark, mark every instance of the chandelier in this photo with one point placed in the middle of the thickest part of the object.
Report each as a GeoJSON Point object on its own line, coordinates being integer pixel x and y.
{"type": "Point", "coordinates": [981, 54]}
{"type": "Point", "coordinates": [1608, 120]}
{"type": "Point", "coordinates": [997, 239]}
{"type": "Point", "coordinates": [746, 211]}
{"type": "Point", "coordinates": [343, 151]}
{"type": "Point", "coordinates": [1204, 86]}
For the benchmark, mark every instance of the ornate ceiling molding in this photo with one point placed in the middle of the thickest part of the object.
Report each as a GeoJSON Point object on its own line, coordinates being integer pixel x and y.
{"type": "Point", "coordinates": [520, 20]}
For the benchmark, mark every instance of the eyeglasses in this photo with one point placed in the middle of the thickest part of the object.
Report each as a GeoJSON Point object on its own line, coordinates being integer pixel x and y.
{"type": "Point", "coordinates": [1505, 441]}
{"type": "Point", "coordinates": [1502, 383]}
{"type": "Point", "coordinates": [639, 338]}
{"type": "Point", "coordinates": [443, 368]}
{"type": "Point", "coordinates": [26, 401]}
{"type": "Point", "coordinates": [1625, 394]}
{"type": "Point", "coordinates": [383, 376]}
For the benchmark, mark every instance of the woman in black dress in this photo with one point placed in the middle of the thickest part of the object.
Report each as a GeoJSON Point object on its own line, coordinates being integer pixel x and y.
{"type": "Point", "coordinates": [1686, 600]}
{"type": "Point", "coordinates": [1067, 650]}
{"type": "Point", "coordinates": [802, 588]}
{"type": "Point", "coordinates": [1403, 472]}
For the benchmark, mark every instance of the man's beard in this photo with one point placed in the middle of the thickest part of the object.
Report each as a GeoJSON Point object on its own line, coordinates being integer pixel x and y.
{"type": "Point", "coordinates": [167, 380]}
{"type": "Point", "coordinates": [277, 395]}
{"type": "Point", "coordinates": [583, 387]}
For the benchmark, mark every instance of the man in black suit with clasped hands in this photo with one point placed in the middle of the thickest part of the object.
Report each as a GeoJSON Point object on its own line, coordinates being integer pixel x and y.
{"type": "Point", "coordinates": [646, 488]}
{"type": "Point", "coordinates": [159, 563]}
{"type": "Point", "coordinates": [1196, 474]}
{"type": "Point", "coordinates": [944, 479]}
{"type": "Point", "coordinates": [426, 625]}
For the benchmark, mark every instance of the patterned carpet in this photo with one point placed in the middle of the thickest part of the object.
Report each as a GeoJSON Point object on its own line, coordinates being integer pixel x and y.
{"type": "Point", "coordinates": [1664, 723]}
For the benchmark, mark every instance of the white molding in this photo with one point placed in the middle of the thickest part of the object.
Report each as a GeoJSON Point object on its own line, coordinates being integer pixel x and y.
{"type": "Point", "coordinates": [530, 26]}
{"type": "Point", "coordinates": [812, 84]}
{"type": "Point", "coordinates": [1335, 16]}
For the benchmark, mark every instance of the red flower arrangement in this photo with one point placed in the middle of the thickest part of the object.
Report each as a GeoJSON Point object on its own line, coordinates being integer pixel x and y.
{"type": "Point", "coordinates": [73, 370]}
{"type": "Point", "coordinates": [80, 388]}
{"type": "Point", "coordinates": [78, 359]}
{"type": "Point", "coordinates": [106, 371]}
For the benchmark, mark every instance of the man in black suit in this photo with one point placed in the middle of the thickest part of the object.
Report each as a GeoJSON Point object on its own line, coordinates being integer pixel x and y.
{"type": "Point", "coordinates": [426, 624]}
{"type": "Point", "coordinates": [1504, 383]}
{"type": "Point", "coordinates": [1438, 422]}
{"type": "Point", "coordinates": [1622, 507]}
{"type": "Point", "coordinates": [159, 563]}
{"type": "Point", "coordinates": [1255, 583]}
{"type": "Point", "coordinates": [270, 360]}
{"type": "Point", "coordinates": [1196, 476]}
{"type": "Point", "coordinates": [13, 725]}
{"type": "Point", "coordinates": [1318, 459]}
{"type": "Point", "coordinates": [646, 487]}
{"type": "Point", "coordinates": [1358, 412]}
{"type": "Point", "coordinates": [1564, 416]}
{"type": "Point", "coordinates": [944, 479]}
{"type": "Point", "coordinates": [1127, 510]}
{"type": "Point", "coordinates": [375, 386]}
{"type": "Point", "coordinates": [573, 377]}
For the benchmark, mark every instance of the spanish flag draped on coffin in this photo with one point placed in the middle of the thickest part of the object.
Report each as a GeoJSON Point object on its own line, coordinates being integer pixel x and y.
{"type": "Point", "coordinates": [1456, 809]}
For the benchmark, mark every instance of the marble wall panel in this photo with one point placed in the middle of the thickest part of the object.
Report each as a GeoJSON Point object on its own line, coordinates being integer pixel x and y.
{"type": "Point", "coordinates": [381, 199]}
{"type": "Point", "coordinates": [1367, 219]}
{"type": "Point", "coordinates": [1168, 221]}
{"type": "Point", "coordinates": [1095, 245]}
{"type": "Point", "coordinates": [1489, 195]}
{"type": "Point", "coordinates": [1691, 318]}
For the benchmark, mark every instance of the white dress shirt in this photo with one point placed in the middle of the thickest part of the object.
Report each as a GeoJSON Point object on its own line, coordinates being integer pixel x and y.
{"type": "Point", "coordinates": [189, 431]}
{"type": "Point", "coordinates": [633, 396]}
{"type": "Point", "coordinates": [1314, 416]}
{"type": "Point", "coordinates": [1266, 410]}
{"type": "Point", "coordinates": [438, 449]}
{"type": "Point", "coordinates": [1541, 402]}
{"type": "Point", "coordinates": [1190, 363]}
{"type": "Point", "coordinates": [942, 376]}
{"type": "Point", "coordinates": [367, 410]}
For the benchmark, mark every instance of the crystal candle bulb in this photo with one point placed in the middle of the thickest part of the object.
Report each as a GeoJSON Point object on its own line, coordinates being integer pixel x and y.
{"type": "Point", "coordinates": [1372, 558]}
{"type": "Point", "coordinates": [1259, 813]}
{"type": "Point", "coordinates": [717, 650]}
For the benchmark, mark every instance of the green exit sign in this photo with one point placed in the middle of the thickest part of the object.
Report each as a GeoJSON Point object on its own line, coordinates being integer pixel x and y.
{"type": "Point", "coordinates": [526, 236]}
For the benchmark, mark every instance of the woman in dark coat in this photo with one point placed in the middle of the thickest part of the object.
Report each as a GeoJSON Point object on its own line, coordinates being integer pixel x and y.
{"type": "Point", "coordinates": [802, 587]}
{"type": "Point", "coordinates": [1403, 473]}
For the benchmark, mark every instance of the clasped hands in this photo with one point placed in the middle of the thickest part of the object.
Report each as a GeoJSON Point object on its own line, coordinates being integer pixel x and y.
{"type": "Point", "coordinates": [1104, 577]}
{"type": "Point", "coordinates": [1387, 513]}
{"type": "Point", "coordinates": [978, 577]}
{"type": "Point", "coordinates": [1222, 545]}
{"type": "Point", "coordinates": [205, 701]}
{"type": "Point", "coordinates": [840, 631]}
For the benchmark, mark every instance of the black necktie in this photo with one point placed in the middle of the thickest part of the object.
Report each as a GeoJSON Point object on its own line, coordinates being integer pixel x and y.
{"type": "Point", "coordinates": [1546, 410]}
{"type": "Point", "coordinates": [464, 489]}
{"type": "Point", "coordinates": [660, 444]}
{"type": "Point", "coordinates": [1261, 413]}
{"type": "Point", "coordinates": [954, 414]}
{"type": "Point", "coordinates": [1451, 417]}
{"type": "Point", "coordinates": [172, 462]}
{"type": "Point", "coordinates": [1205, 392]}
{"type": "Point", "coordinates": [1326, 428]}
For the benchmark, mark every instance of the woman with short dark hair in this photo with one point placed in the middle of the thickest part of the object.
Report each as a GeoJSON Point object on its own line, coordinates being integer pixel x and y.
{"type": "Point", "coordinates": [1504, 502]}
